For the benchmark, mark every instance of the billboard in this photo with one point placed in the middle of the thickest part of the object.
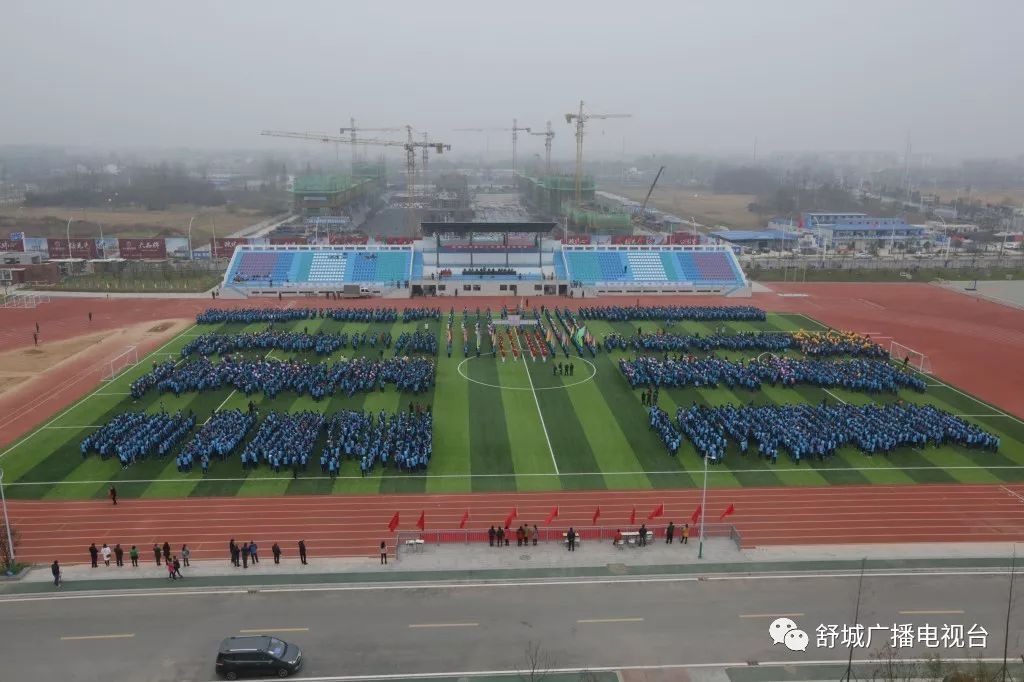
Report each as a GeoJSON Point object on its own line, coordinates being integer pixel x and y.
{"type": "Point", "coordinates": [35, 244]}
{"type": "Point", "coordinates": [17, 235]}
{"type": "Point", "coordinates": [107, 247]}
{"type": "Point", "coordinates": [289, 240]}
{"type": "Point", "coordinates": [224, 247]}
{"type": "Point", "coordinates": [142, 249]}
{"type": "Point", "coordinates": [12, 245]}
{"type": "Point", "coordinates": [80, 248]}
{"type": "Point", "coordinates": [177, 247]}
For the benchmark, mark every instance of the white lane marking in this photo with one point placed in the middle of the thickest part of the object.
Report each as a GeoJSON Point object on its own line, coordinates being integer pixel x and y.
{"type": "Point", "coordinates": [948, 612]}
{"type": "Point", "coordinates": [610, 620]}
{"type": "Point", "coordinates": [381, 587]}
{"type": "Point", "coordinates": [541, 415]}
{"type": "Point", "coordinates": [84, 637]}
{"type": "Point", "coordinates": [444, 625]}
{"type": "Point", "coordinates": [771, 615]}
{"type": "Point", "coordinates": [257, 631]}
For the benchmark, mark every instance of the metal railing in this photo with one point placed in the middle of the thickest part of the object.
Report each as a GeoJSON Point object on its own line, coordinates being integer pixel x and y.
{"type": "Point", "coordinates": [405, 540]}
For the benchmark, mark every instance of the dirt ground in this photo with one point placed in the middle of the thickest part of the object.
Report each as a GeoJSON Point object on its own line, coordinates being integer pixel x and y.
{"type": "Point", "coordinates": [52, 222]}
{"type": "Point", "coordinates": [28, 388]}
{"type": "Point", "coordinates": [990, 196]}
{"type": "Point", "coordinates": [708, 208]}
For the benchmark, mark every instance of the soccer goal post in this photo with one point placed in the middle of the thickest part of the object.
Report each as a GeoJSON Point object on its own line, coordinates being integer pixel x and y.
{"type": "Point", "coordinates": [904, 354]}
{"type": "Point", "coordinates": [124, 360]}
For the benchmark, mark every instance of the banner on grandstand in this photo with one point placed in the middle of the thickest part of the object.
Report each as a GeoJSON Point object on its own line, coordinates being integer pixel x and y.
{"type": "Point", "coordinates": [12, 245]}
{"type": "Point", "coordinates": [80, 248]}
{"type": "Point", "coordinates": [285, 241]}
{"type": "Point", "coordinates": [142, 249]}
{"type": "Point", "coordinates": [224, 247]}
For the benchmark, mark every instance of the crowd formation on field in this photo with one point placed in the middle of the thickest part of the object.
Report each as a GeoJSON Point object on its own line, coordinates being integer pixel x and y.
{"type": "Point", "coordinates": [271, 376]}
{"type": "Point", "coordinates": [132, 436]}
{"type": "Point", "coordinates": [870, 376]}
{"type": "Point", "coordinates": [254, 315]}
{"type": "Point", "coordinates": [218, 437]}
{"type": "Point", "coordinates": [815, 432]}
{"type": "Point", "coordinates": [620, 313]}
{"type": "Point", "coordinates": [817, 344]}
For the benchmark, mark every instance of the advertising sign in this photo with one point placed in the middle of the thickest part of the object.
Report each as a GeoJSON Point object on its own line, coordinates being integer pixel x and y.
{"type": "Point", "coordinates": [142, 249]}
{"type": "Point", "coordinates": [12, 245]}
{"type": "Point", "coordinates": [80, 248]}
{"type": "Point", "coordinates": [224, 247]}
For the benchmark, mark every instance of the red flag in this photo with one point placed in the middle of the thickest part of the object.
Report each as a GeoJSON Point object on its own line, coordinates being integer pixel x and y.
{"type": "Point", "coordinates": [422, 521]}
{"type": "Point", "coordinates": [465, 517]}
{"type": "Point", "coordinates": [597, 515]}
{"type": "Point", "coordinates": [514, 514]}
{"type": "Point", "coordinates": [658, 511]}
{"type": "Point", "coordinates": [508, 521]}
{"type": "Point", "coordinates": [632, 517]}
{"type": "Point", "coordinates": [551, 516]}
{"type": "Point", "coordinates": [696, 515]}
{"type": "Point", "coordinates": [393, 523]}
{"type": "Point", "coordinates": [728, 511]}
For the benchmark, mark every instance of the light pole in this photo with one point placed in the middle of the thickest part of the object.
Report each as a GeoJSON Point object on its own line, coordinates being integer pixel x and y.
{"type": "Point", "coordinates": [945, 233]}
{"type": "Point", "coordinates": [69, 243]}
{"type": "Point", "coordinates": [703, 510]}
{"type": "Point", "coordinates": [7, 526]}
{"type": "Point", "coordinates": [190, 255]}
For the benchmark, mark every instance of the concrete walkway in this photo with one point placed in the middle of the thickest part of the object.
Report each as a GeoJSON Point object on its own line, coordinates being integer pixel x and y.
{"type": "Point", "coordinates": [552, 559]}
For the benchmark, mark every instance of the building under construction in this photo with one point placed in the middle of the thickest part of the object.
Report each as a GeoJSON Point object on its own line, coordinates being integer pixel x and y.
{"type": "Point", "coordinates": [331, 195]}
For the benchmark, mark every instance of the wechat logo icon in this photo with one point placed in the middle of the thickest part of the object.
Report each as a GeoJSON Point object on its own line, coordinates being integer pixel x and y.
{"type": "Point", "coordinates": [785, 631]}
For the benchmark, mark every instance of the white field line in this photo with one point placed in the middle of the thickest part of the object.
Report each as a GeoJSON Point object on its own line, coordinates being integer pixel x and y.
{"type": "Point", "coordinates": [541, 415]}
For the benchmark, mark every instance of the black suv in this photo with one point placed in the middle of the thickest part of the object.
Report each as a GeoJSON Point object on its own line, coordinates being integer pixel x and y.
{"type": "Point", "coordinates": [257, 657]}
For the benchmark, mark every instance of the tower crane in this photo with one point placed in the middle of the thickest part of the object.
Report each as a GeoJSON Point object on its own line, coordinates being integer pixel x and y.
{"type": "Point", "coordinates": [352, 130]}
{"type": "Point", "coordinates": [410, 146]}
{"type": "Point", "coordinates": [548, 135]}
{"type": "Point", "coordinates": [640, 217]}
{"type": "Point", "coordinates": [581, 118]}
{"type": "Point", "coordinates": [515, 129]}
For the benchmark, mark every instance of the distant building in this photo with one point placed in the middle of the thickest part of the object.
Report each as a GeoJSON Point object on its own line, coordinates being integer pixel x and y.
{"type": "Point", "coordinates": [758, 240]}
{"type": "Point", "coordinates": [327, 195]}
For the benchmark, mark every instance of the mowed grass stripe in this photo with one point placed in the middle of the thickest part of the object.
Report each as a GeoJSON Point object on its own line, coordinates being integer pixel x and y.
{"type": "Point", "coordinates": [451, 423]}
{"type": "Point", "coordinates": [489, 445]}
{"type": "Point", "coordinates": [528, 445]}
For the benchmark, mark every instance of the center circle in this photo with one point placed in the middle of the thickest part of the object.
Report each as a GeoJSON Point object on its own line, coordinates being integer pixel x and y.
{"type": "Point", "coordinates": [462, 373]}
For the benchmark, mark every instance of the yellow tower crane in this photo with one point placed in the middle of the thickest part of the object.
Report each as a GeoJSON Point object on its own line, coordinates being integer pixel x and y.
{"type": "Point", "coordinates": [515, 129]}
{"type": "Point", "coordinates": [581, 118]}
{"type": "Point", "coordinates": [410, 146]}
{"type": "Point", "coordinates": [548, 135]}
{"type": "Point", "coordinates": [352, 130]}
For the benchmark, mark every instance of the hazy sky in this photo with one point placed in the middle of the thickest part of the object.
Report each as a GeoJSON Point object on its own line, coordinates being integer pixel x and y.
{"type": "Point", "coordinates": [697, 76]}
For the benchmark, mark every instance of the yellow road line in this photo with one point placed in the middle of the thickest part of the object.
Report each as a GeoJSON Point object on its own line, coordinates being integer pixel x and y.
{"type": "Point", "coordinates": [444, 625]}
{"type": "Point", "coordinates": [770, 615]}
{"type": "Point", "coordinates": [82, 637]}
{"type": "Point", "coordinates": [610, 620]}
{"type": "Point", "coordinates": [262, 630]}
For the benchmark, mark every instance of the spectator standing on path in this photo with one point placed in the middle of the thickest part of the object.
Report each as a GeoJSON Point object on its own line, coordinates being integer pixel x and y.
{"type": "Point", "coordinates": [643, 535]}
{"type": "Point", "coordinates": [536, 534]}
{"type": "Point", "coordinates": [501, 536]}
{"type": "Point", "coordinates": [529, 534]}
{"type": "Point", "coordinates": [252, 552]}
{"type": "Point", "coordinates": [670, 533]}
{"type": "Point", "coordinates": [156, 553]}
{"type": "Point", "coordinates": [105, 551]}
{"type": "Point", "coordinates": [185, 554]}
{"type": "Point", "coordinates": [276, 551]}
{"type": "Point", "coordinates": [233, 550]}
{"type": "Point", "coordinates": [686, 532]}
{"type": "Point", "coordinates": [170, 571]}
{"type": "Point", "coordinates": [571, 537]}
{"type": "Point", "coordinates": [93, 554]}
{"type": "Point", "coordinates": [245, 555]}
{"type": "Point", "coordinates": [133, 554]}
{"type": "Point", "coordinates": [167, 552]}
{"type": "Point", "coordinates": [90, 316]}
{"type": "Point", "coordinates": [113, 495]}
{"type": "Point", "coordinates": [55, 570]}
{"type": "Point", "coordinates": [177, 567]}
{"type": "Point", "coordinates": [383, 553]}
{"type": "Point", "coordinates": [37, 327]}
{"type": "Point", "coordinates": [118, 555]}
{"type": "Point", "coordinates": [490, 536]}
{"type": "Point", "coordinates": [302, 552]}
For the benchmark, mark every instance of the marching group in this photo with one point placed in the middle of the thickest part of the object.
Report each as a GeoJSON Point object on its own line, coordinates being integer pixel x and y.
{"type": "Point", "coordinates": [816, 432]}
{"type": "Point", "coordinates": [619, 313]}
{"type": "Point", "coordinates": [254, 315]}
{"type": "Point", "coordinates": [817, 344]}
{"type": "Point", "coordinates": [321, 343]}
{"type": "Point", "coordinates": [271, 376]}
{"type": "Point", "coordinates": [871, 376]}
{"type": "Point", "coordinates": [132, 436]}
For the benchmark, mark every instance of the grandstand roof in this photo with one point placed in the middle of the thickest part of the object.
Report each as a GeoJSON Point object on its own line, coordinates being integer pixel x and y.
{"type": "Point", "coordinates": [432, 228]}
{"type": "Point", "coordinates": [754, 235]}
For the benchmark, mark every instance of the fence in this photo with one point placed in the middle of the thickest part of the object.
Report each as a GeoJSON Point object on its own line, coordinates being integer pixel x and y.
{"type": "Point", "coordinates": [468, 536]}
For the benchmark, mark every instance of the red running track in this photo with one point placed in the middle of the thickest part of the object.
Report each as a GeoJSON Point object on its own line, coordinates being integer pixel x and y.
{"type": "Point", "coordinates": [354, 525]}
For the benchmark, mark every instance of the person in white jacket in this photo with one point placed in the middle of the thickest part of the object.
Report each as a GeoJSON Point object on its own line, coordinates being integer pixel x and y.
{"type": "Point", "coordinates": [105, 551]}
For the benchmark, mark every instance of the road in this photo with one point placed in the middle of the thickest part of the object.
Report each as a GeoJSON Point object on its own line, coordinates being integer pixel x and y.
{"type": "Point", "coordinates": [386, 629]}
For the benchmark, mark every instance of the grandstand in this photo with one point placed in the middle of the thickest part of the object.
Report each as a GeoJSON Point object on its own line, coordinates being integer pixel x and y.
{"type": "Point", "coordinates": [299, 269]}
{"type": "Point", "coordinates": [633, 269]}
{"type": "Point", "coordinates": [467, 259]}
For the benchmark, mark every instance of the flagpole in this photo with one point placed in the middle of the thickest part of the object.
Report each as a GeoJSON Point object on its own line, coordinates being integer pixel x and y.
{"type": "Point", "coordinates": [703, 510]}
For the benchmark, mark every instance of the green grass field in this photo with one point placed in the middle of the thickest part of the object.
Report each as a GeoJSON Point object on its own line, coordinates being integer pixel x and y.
{"type": "Point", "coordinates": [502, 427]}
